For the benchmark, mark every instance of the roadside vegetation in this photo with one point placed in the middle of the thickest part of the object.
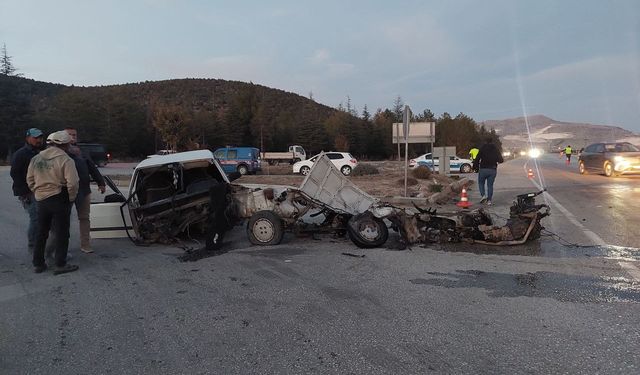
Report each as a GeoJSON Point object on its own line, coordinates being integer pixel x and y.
{"type": "Point", "coordinates": [135, 120]}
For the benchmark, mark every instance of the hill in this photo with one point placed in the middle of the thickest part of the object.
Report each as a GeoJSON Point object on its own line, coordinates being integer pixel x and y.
{"type": "Point", "coordinates": [214, 112]}
{"type": "Point", "coordinates": [550, 134]}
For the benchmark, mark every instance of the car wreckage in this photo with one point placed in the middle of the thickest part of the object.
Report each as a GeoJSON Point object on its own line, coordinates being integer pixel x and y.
{"type": "Point", "coordinates": [189, 193]}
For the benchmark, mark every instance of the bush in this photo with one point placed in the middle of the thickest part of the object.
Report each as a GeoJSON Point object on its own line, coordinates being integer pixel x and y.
{"type": "Point", "coordinates": [435, 188]}
{"type": "Point", "coordinates": [421, 172]}
{"type": "Point", "coordinates": [364, 170]}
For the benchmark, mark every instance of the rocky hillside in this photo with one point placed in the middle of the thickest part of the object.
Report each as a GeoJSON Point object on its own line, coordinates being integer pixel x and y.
{"type": "Point", "coordinates": [550, 134]}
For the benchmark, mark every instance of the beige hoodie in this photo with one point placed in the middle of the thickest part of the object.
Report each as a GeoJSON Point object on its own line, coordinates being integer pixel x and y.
{"type": "Point", "coordinates": [50, 171]}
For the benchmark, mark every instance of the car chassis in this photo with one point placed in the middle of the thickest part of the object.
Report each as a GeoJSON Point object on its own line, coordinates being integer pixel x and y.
{"type": "Point", "coordinates": [184, 192]}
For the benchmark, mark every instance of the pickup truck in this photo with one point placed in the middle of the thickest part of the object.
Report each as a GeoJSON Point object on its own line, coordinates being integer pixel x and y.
{"type": "Point", "coordinates": [295, 154]}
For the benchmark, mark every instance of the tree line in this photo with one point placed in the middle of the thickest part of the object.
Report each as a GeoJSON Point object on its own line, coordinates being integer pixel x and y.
{"type": "Point", "coordinates": [137, 119]}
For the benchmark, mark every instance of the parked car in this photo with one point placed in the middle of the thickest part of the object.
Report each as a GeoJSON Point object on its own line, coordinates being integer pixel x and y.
{"type": "Point", "coordinates": [245, 160]}
{"type": "Point", "coordinates": [97, 152]}
{"type": "Point", "coordinates": [455, 163]}
{"type": "Point", "coordinates": [611, 159]}
{"type": "Point", "coordinates": [342, 160]}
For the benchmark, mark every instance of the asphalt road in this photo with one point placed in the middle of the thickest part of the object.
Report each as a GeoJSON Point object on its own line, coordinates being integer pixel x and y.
{"type": "Point", "coordinates": [304, 307]}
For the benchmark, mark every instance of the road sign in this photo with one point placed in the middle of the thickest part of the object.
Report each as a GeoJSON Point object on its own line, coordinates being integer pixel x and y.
{"type": "Point", "coordinates": [419, 132]}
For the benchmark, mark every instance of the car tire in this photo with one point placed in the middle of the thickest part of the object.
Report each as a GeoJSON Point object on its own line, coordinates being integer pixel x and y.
{"type": "Point", "coordinates": [367, 231]}
{"type": "Point", "coordinates": [242, 169]}
{"type": "Point", "coordinates": [346, 170]}
{"type": "Point", "coordinates": [466, 168]}
{"type": "Point", "coordinates": [581, 168]}
{"type": "Point", "coordinates": [304, 170]}
{"type": "Point", "coordinates": [265, 228]}
{"type": "Point", "coordinates": [608, 169]}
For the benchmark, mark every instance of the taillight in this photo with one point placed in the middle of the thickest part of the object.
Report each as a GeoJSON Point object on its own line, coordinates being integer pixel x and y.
{"type": "Point", "coordinates": [354, 161]}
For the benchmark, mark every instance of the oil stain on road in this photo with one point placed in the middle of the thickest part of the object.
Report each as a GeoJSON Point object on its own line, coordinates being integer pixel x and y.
{"type": "Point", "coordinates": [561, 287]}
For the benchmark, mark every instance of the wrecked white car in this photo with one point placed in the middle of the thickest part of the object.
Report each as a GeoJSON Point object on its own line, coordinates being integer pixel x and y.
{"type": "Point", "coordinates": [189, 193]}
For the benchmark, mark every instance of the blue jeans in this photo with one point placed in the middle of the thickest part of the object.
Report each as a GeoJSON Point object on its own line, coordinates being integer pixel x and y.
{"type": "Point", "coordinates": [488, 175]}
{"type": "Point", "coordinates": [32, 209]}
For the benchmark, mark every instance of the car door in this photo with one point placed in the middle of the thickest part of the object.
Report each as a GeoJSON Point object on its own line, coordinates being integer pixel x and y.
{"type": "Point", "coordinates": [221, 155]}
{"type": "Point", "coordinates": [586, 156]}
{"type": "Point", "coordinates": [107, 212]}
{"type": "Point", "coordinates": [336, 158]}
{"type": "Point", "coordinates": [596, 159]}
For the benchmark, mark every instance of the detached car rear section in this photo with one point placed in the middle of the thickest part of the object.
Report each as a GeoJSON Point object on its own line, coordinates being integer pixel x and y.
{"type": "Point", "coordinates": [169, 195]}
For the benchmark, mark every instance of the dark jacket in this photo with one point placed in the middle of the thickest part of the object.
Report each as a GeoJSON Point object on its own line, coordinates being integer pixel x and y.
{"type": "Point", "coordinates": [488, 157]}
{"type": "Point", "coordinates": [86, 171]}
{"type": "Point", "coordinates": [19, 165]}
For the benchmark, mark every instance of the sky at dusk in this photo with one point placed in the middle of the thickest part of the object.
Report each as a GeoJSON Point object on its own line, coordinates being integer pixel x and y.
{"type": "Point", "coordinates": [575, 61]}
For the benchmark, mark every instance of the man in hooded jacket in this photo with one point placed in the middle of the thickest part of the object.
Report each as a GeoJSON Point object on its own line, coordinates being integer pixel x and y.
{"type": "Point", "coordinates": [53, 178]}
{"type": "Point", "coordinates": [486, 163]}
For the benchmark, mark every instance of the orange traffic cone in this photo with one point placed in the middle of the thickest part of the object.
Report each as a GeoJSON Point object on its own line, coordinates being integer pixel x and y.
{"type": "Point", "coordinates": [530, 173]}
{"type": "Point", "coordinates": [464, 199]}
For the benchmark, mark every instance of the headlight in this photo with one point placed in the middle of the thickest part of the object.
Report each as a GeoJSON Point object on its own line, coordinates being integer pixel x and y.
{"type": "Point", "coordinates": [618, 158]}
{"type": "Point", "coordinates": [523, 153]}
{"type": "Point", "coordinates": [534, 153]}
{"type": "Point", "coordinates": [506, 153]}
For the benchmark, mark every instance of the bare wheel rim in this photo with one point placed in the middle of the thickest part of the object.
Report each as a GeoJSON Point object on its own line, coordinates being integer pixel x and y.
{"type": "Point", "coordinates": [368, 231]}
{"type": "Point", "coordinates": [263, 230]}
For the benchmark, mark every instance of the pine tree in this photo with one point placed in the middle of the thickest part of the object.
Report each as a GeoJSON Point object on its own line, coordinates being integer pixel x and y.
{"type": "Point", "coordinates": [6, 66]}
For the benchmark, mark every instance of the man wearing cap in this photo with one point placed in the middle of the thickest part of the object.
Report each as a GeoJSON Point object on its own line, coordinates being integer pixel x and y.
{"type": "Point", "coordinates": [53, 178]}
{"type": "Point", "coordinates": [19, 164]}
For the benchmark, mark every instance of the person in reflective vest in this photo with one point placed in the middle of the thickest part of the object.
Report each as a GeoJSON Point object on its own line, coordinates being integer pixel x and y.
{"type": "Point", "coordinates": [567, 153]}
{"type": "Point", "coordinates": [473, 153]}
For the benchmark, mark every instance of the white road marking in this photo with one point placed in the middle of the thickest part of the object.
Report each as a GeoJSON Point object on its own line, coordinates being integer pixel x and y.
{"type": "Point", "coordinates": [631, 269]}
{"type": "Point", "coordinates": [627, 266]}
{"type": "Point", "coordinates": [597, 240]}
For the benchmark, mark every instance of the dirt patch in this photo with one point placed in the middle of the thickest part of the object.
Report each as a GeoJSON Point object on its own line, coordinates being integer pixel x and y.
{"type": "Point", "coordinates": [380, 185]}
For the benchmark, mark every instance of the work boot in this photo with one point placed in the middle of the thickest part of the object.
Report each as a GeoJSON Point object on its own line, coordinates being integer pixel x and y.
{"type": "Point", "coordinates": [65, 269]}
{"type": "Point", "coordinates": [40, 269]}
{"type": "Point", "coordinates": [483, 199]}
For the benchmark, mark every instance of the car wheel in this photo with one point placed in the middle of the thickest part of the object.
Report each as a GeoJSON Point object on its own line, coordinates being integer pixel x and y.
{"type": "Point", "coordinates": [608, 169]}
{"type": "Point", "coordinates": [305, 170]}
{"type": "Point", "coordinates": [582, 168]}
{"type": "Point", "coordinates": [465, 168]}
{"type": "Point", "coordinates": [265, 228]}
{"type": "Point", "coordinates": [242, 169]}
{"type": "Point", "coordinates": [346, 170]}
{"type": "Point", "coordinates": [367, 231]}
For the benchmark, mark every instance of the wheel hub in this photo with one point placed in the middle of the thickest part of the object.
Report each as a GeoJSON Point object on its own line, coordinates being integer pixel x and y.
{"type": "Point", "coordinates": [263, 230]}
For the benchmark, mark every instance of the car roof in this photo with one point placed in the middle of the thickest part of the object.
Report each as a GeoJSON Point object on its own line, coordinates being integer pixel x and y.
{"type": "Point", "coordinates": [178, 157]}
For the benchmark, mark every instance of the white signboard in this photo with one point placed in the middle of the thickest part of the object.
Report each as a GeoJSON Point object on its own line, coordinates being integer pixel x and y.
{"type": "Point", "coordinates": [419, 132]}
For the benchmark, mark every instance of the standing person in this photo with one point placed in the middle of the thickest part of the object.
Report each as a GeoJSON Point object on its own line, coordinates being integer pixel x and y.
{"type": "Point", "coordinates": [473, 153]}
{"type": "Point", "coordinates": [567, 153]}
{"type": "Point", "coordinates": [19, 164]}
{"type": "Point", "coordinates": [53, 178]}
{"type": "Point", "coordinates": [486, 163]}
{"type": "Point", "coordinates": [86, 167]}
